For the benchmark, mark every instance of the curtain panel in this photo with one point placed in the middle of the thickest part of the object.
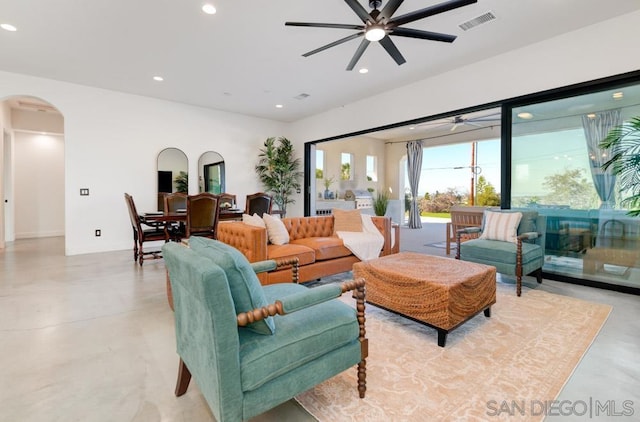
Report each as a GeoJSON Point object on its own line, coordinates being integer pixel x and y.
{"type": "Point", "coordinates": [414, 169]}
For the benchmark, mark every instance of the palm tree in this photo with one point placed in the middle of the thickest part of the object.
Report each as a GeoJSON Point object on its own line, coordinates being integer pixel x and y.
{"type": "Point", "coordinates": [278, 171]}
{"type": "Point", "coordinates": [624, 143]}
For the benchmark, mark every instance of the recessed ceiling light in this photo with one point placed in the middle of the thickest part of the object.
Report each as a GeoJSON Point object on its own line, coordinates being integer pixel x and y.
{"type": "Point", "coordinates": [618, 95]}
{"type": "Point", "coordinates": [279, 106]}
{"type": "Point", "coordinates": [364, 70]}
{"type": "Point", "coordinates": [209, 9]}
{"type": "Point", "coordinates": [8, 27]}
{"type": "Point", "coordinates": [412, 127]}
{"type": "Point", "coordinates": [525, 115]}
{"type": "Point", "coordinates": [591, 115]}
{"type": "Point", "coordinates": [158, 78]}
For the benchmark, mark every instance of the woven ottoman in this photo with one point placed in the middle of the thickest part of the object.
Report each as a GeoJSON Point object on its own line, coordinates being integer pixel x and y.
{"type": "Point", "coordinates": [440, 292]}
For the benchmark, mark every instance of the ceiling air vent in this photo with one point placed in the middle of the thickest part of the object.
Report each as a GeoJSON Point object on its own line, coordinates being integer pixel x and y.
{"type": "Point", "coordinates": [489, 16]}
{"type": "Point", "coordinates": [301, 96]}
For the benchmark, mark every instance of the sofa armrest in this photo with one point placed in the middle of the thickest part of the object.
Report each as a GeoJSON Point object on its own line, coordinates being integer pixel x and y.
{"type": "Point", "coordinates": [250, 240]}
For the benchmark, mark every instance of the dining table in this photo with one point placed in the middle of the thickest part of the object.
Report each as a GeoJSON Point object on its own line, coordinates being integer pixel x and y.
{"type": "Point", "coordinates": [181, 216]}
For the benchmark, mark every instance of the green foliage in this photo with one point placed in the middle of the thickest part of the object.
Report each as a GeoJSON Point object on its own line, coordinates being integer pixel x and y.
{"type": "Point", "coordinates": [345, 171]}
{"type": "Point", "coordinates": [441, 201]}
{"type": "Point", "coordinates": [486, 194]}
{"type": "Point", "coordinates": [319, 174]}
{"type": "Point", "coordinates": [182, 182]}
{"type": "Point", "coordinates": [380, 203]}
{"type": "Point", "coordinates": [571, 187]}
{"type": "Point", "coordinates": [279, 171]}
{"type": "Point", "coordinates": [624, 143]}
{"type": "Point", "coordinates": [328, 182]}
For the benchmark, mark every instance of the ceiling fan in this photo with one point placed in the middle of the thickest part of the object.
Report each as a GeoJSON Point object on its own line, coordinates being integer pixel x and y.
{"type": "Point", "coordinates": [457, 121]}
{"type": "Point", "coordinates": [378, 25]}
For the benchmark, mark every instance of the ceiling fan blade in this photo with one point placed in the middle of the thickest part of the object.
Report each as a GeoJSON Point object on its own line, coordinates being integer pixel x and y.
{"type": "Point", "coordinates": [430, 11]}
{"type": "Point", "coordinates": [392, 50]}
{"type": "Point", "coordinates": [333, 44]}
{"type": "Point", "coordinates": [360, 11]}
{"type": "Point", "coordinates": [423, 35]}
{"type": "Point", "coordinates": [325, 25]}
{"type": "Point", "coordinates": [359, 52]}
{"type": "Point", "coordinates": [390, 8]}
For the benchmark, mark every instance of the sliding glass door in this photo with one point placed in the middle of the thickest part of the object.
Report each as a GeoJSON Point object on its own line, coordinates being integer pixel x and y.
{"type": "Point", "coordinates": [557, 169]}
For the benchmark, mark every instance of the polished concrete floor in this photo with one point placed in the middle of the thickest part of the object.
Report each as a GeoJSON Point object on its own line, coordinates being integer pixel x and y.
{"type": "Point", "coordinates": [90, 338]}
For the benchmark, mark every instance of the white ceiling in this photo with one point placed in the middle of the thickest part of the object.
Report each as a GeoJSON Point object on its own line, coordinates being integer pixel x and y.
{"type": "Point", "coordinates": [243, 59]}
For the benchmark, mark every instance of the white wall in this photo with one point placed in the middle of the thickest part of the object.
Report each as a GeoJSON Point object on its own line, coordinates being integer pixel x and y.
{"type": "Point", "coordinates": [601, 50]}
{"type": "Point", "coordinates": [111, 145]}
{"type": "Point", "coordinates": [39, 185]}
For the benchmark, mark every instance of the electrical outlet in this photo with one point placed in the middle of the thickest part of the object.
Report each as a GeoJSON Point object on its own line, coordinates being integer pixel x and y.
{"type": "Point", "coordinates": [98, 232]}
{"type": "Point", "coordinates": [84, 191]}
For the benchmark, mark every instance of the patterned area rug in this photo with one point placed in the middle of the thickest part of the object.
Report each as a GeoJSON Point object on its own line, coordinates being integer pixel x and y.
{"type": "Point", "coordinates": [520, 357]}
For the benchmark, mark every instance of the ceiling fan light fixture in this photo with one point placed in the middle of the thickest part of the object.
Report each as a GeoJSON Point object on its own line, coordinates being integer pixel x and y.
{"type": "Point", "coordinates": [375, 33]}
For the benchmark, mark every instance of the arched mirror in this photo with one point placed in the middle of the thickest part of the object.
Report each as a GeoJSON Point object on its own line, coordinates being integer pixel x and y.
{"type": "Point", "coordinates": [173, 173]}
{"type": "Point", "coordinates": [211, 173]}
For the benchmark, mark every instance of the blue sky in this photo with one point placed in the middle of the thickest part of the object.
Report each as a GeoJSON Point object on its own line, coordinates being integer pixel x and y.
{"type": "Point", "coordinates": [439, 164]}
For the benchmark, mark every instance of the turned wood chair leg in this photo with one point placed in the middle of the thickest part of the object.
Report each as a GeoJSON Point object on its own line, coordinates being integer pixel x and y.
{"type": "Point", "coordinates": [184, 376]}
{"type": "Point", "coordinates": [359, 294]}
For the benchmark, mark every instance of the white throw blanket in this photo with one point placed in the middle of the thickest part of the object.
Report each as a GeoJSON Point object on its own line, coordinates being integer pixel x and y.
{"type": "Point", "coordinates": [366, 244]}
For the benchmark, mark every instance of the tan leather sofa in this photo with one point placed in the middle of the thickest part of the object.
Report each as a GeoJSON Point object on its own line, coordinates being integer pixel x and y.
{"type": "Point", "coordinates": [311, 239]}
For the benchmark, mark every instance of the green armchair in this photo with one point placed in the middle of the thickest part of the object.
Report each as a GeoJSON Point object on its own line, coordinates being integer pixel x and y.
{"type": "Point", "coordinates": [514, 245]}
{"type": "Point", "coordinates": [251, 347]}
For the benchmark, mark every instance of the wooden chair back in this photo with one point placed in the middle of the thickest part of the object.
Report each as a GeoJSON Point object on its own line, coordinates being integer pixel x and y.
{"type": "Point", "coordinates": [258, 203]}
{"type": "Point", "coordinates": [227, 198]}
{"type": "Point", "coordinates": [174, 202]}
{"type": "Point", "coordinates": [203, 211]}
{"type": "Point", "coordinates": [462, 217]}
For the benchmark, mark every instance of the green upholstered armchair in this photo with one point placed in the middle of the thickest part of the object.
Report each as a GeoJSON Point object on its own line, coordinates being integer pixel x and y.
{"type": "Point", "coordinates": [251, 347]}
{"type": "Point", "coordinates": [513, 241]}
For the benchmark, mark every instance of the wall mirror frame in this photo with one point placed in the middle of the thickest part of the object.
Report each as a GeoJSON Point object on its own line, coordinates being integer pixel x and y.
{"type": "Point", "coordinates": [211, 173]}
{"type": "Point", "coordinates": [172, 173]}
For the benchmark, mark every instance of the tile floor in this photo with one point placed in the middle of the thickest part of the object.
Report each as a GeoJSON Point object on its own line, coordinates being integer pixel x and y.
{"type": "Point", "coordinates": [90, 338]}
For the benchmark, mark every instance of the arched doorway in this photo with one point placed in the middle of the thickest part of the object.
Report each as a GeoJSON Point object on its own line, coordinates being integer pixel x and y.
{"type": "Point", "coordinates": [32, 169]}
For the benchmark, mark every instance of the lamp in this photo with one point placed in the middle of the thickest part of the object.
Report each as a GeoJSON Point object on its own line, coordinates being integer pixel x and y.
{"type": "Point", "coordinates": [375, 33]}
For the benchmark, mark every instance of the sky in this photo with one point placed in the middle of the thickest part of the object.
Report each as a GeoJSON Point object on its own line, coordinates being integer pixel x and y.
{"type": "Point", "coordinates": [449, 166]}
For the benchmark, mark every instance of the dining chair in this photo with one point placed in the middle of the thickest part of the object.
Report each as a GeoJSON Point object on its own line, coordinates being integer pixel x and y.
{"type": "Point", "coordinates": [227, 200]}
{"type": "Point", "coordinates": [143, 233]}
{"type": "Point", "coordinates": [176, 202]}
{"type": "Point", "coordinates": [258, 203]}
{"type": "Point", "coordinates": [203, 211]}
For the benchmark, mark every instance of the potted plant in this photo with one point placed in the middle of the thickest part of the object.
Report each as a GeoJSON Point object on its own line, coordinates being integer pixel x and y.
{"type": "Point", "coordinates": [279, 171]}
{"type": "Point", "coordinates": [380, 203]}
{"type": "Point", "coordinates": [624, 143]}
{"type": "Point", "coordinates": [182, 182]}
{"type": "Point", "coordinates": [327, 184]}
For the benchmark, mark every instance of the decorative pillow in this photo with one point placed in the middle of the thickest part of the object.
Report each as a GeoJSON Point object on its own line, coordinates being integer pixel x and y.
{"type": "Point", "coordinates": [346, 220]}
{"type": "Point", "coordinates": [276, 230]}
{"type": "Point", "coordinates": [501, 226]}
{"type": "Point", "coordinates": [253, 220]}
{"type": "Point", "coordinates": [245, 287]}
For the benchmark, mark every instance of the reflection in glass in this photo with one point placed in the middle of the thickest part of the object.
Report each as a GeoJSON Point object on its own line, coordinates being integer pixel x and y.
{"type": "Point", "coordinates": [557, 170]}
{"type": "Point", "coordinates": [173, 173]}
{"type": "Point", "coordinates": [211, 173]}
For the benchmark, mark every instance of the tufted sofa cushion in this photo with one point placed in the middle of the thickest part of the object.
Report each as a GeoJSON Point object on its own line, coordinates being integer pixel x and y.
{"type": "Point", "coordinates": [304, 227]}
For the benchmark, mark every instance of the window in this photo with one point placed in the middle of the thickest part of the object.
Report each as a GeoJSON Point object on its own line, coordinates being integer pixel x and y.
{"type": "Point", "coordinates": [346, 167]}
{"type": "Point", "coordinates": [556, 169]}
{"type": "Point", "coordinates": [319, 164]}
{"type": "Point", "coordinates": [372, 168]}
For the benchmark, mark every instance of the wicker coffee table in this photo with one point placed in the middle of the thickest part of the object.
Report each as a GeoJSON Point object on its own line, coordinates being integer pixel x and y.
{"type": "Point", "coordinates": [440, 292]}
